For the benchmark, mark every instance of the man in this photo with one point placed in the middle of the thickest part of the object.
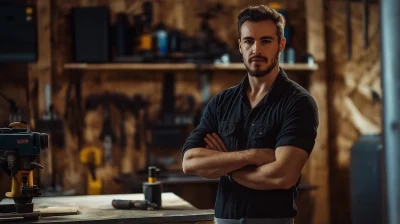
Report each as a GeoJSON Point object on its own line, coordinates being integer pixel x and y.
{"type": "Point", "coordinates": [256, 136]}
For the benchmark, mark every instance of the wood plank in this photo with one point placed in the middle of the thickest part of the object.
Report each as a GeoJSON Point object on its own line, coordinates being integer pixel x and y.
{"type": "Point", "coordinates": [126, 66]}
{"type": "Point", "coordinates": [240, 66]}
{"type": "Point", "coordinates": [182, 66]}
{"type": "Point", "coordinates": [98, 209]}
{"type": "Point", "coordinates": [318, 165]}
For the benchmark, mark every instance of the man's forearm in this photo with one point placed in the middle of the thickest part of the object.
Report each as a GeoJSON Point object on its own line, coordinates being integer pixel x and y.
{"type": "Point", "coordinates": [214, 164]}
{"type": "Point", "coordinates": [259, 178]}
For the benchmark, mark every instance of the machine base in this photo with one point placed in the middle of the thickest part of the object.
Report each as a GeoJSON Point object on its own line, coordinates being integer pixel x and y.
{"type": "Point", "coordinates": [25, 212]}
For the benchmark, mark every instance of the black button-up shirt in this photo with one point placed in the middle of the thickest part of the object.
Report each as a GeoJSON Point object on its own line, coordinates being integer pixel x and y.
{"type": "Point", "coordinates": [287, 115]}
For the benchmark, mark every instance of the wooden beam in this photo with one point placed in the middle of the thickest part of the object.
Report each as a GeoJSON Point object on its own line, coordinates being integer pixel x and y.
{"type": "Point", "coordinates": [318, 165]}
{"type": "Point", "coordinates": [315, 29]}
{"type": "Point", "coordinates": [41, 72]}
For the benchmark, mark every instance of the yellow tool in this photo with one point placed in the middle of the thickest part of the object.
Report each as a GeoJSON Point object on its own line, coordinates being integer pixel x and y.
{"type": "Point", "coordinates": [92, 157]}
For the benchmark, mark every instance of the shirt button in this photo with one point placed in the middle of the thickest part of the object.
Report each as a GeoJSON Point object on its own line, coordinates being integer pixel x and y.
{"type": "Point", "coordinates": [260, 133]}
{"type": "Point", "coordinates": [252, 124]}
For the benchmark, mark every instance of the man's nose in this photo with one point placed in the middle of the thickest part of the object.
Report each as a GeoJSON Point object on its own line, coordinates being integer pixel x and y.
{"type": "Point", "coordinates": [256, 47]}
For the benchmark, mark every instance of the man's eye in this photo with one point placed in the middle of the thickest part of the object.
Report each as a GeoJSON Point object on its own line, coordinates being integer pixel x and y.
{"type": "Point", "coordinates": [248, 41]}
{"type": "Point", "coordinates": [266, 41]}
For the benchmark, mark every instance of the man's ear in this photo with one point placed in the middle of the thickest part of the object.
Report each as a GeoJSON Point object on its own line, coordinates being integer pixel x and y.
{"type": "Point", "coordinates": [240, 46]}
{"type": "Point", "coordinates": [282, 44]}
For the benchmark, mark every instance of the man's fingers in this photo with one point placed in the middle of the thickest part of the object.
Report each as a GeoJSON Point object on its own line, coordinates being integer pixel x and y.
{"type": "Point", "coordinates": [210, 143]}
{"type": "Point", "coordinates": [218, 143]}
{"type": "Point", "coordinates": [214, 142]}
{"type": "Point", "coordinates": [219, 140]}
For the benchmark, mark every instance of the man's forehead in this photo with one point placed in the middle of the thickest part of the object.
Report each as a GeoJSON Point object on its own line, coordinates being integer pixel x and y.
{"type": "Point", "coordinates": [258, 29]}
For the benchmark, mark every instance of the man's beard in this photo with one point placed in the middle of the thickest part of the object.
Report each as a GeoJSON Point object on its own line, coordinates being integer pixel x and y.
{"type": "Point", "coordinates": [260, 73]}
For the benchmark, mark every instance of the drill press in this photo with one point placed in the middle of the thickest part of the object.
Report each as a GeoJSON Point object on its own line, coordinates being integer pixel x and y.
{"type": "Point", "coordinates": [19, 149]}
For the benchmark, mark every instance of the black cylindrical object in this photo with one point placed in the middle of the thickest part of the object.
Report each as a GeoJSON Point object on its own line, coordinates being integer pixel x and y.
{"type": "Point", "coordinates": [152, 189]}
{"type": "Point", "coordinates": [121, 204]}
{"type": "Point", "coordinates": [152, 193]}
{"type": "Point", "coordinates": [132, 204]}
{"type": "Point", "coordinates": [123, 39]}
{"type": "Point", "coordinates": [147, 8]}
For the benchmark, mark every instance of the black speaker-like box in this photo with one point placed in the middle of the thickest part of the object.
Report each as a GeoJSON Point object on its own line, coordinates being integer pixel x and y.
{"type": "Point", "coordinates": [366, 177]}
{"type": "Point", "coordinates": [18, 35]}
{"type": "Point", "coordinates": [91, 27]}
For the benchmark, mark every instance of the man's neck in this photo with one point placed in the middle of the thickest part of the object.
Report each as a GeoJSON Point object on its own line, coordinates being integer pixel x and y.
{"type": "Point", "coordinates": [259, 86]}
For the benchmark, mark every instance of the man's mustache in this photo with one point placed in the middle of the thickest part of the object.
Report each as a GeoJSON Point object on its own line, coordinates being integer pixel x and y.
{"type": "Point", "coordinates": [258, 58]}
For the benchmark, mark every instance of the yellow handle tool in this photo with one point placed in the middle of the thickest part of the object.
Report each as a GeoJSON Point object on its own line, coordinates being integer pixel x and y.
{"type": "Point", "coordinates": [92, 156]}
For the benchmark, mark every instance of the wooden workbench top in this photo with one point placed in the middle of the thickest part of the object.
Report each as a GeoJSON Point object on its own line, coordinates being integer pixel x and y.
{"type": "Point", "coordinates": [98, 209]}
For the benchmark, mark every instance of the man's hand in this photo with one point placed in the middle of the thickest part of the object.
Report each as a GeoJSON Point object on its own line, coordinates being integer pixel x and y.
{"type": "Point", "coordinates": [214, 142]}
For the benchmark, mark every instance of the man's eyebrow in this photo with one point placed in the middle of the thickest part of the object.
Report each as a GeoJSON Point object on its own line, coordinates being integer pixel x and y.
{"type": "Point", "coordinates": [248, 38]}
{"type": "Point", "coordinates": [266, 37]}
{"type": "Point", "coordinates": [261, 38]}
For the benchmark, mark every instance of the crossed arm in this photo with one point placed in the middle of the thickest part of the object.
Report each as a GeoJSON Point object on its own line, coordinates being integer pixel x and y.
{"type": "Point", "coordinates": [274, 170]}
{"type": "Point", "coordinates": [214, 161]}
{"type": "Point", "coordinates": [283, 173]}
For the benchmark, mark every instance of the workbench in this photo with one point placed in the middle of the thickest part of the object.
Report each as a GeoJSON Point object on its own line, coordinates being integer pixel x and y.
{"type": "Point", "coordinates": [98, 209]}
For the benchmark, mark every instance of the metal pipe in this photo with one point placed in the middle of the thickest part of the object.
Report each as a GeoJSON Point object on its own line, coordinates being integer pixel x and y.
{"type": "Point", "coordinates": [390, 51]}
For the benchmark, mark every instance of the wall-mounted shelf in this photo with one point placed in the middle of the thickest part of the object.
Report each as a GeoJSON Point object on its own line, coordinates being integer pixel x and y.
{"type": "Point", "coordinates": [182, 66]}
{"type": "Point", "coordinates": [287, 67]}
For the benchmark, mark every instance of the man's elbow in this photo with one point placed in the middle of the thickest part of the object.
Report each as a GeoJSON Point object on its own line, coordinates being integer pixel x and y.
{"type": "Point", "coordinates": [186, 167]}
{"type": "Point", "coordinates": [286, 182]}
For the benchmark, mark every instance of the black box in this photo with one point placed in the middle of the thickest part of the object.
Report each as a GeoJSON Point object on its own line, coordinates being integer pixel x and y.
{"type": "Point", "coordinates": [91, 27]}
{"type": "Point", "coordinates": [18, 33]}
{"type": "Point", "coordinates": [366, 177]}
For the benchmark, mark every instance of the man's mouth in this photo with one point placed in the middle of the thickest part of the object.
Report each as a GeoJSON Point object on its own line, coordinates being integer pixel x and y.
{"type": "Point", "coordinates": [258, 60]}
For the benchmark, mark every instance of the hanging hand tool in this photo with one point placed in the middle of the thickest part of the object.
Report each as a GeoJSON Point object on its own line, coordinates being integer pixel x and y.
{"type": "Point", "coordinates": [138, 105]}
{"type": "Point", "coordinates": [91, 156]}
{"type": "Point", "coordinates": [107, 135]}
{"type": "Point", "coordinates": [122, 133]}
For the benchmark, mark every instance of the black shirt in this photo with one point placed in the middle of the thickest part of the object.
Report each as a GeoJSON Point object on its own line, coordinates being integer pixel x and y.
{"type": "Point", "coordinates": [287, 115]}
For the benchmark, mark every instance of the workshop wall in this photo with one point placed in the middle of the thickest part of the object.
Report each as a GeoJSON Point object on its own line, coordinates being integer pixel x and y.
{"type": "Point", "coordinates": [177, 14]}
{"type": "Point", "coordinates": [66, 169]}
{"type": "Point", "coordinates": [14, 79]}
{"type": "Point", "coordinates": [354, 90]}
{"type": "Point", "coordinates": [354, 95]}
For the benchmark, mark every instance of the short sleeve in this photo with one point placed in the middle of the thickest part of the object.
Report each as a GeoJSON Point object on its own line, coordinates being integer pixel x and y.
{"type": "Point", "coordinates": [208, 124]}
{"type": "Point", "coordinates": [300, 124]}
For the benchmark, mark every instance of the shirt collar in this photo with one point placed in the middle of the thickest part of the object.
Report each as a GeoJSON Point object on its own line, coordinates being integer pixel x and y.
{"type": "Point", "coordinates": [275, 90]}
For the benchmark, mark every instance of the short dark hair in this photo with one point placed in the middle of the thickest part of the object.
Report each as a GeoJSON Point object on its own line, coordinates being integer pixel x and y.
{"type": "Point", "coordinates": [260, 13]}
